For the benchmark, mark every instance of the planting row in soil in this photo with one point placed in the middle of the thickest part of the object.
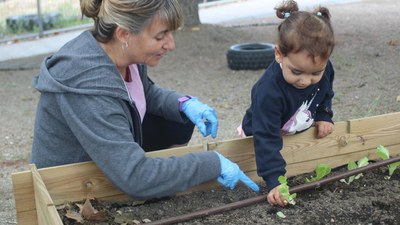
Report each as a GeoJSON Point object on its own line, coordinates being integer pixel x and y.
{"type": "Point", "coordinates": [370, 200]}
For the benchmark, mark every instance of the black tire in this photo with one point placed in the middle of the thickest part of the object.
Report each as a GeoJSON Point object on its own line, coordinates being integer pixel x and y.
{"type": "Point", "coordinates": [250, 56]}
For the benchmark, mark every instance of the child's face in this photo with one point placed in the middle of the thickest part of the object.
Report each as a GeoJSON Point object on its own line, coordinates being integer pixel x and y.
{"type": "Point", "coordinates": [301, 70]}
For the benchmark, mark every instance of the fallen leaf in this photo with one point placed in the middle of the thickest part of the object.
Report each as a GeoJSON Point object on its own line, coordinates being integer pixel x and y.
{"type": "Point", "coordinates": [74, 216]}
{"type": "Point", "coordinates": [91, 214]}
{"type": "Point", "coordinates": [393, 42]}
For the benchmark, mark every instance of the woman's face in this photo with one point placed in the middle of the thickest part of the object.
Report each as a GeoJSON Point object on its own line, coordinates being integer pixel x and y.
{"type": "Point", "coordinates": [301, 70]}
{"type": "Point", "coordinates": [151, 44]}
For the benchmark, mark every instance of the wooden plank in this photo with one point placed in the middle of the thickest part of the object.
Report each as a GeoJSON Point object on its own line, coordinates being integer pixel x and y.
{"type": "Point", "coordinates": [24, 198]}
{"type": "Point", "coordinates": [305, 151]}
{"type": "Point", "coordinates": [302, 152]}
{"type": "Point", "coordinates": [294, 169]}
{"type": "Point", "coordinates": [79, 181]}
{"type": "Point", "coordinates": [46, 211]}
{"type": "Point", "coordinates": [373, 123]}
{"type": "Point", "coordinates": [76, 182]}
{"type": "Point", "coordinates": [179, 151]}
{"type": "Point", "coordinates": [304, 147]}
{"type": "Point", "coordinates": [27, 217]}
{"type": "Point", "coordinates": [372, 131]}
{"type": "Point", "coordinates": [297, 148]}
{"type": "Point", "coordinates": [23, 191]}
{"type": "Point", "coordinates": [240, 151]}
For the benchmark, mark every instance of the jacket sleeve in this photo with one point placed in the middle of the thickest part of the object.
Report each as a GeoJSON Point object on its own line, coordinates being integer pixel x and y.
{"type": "Point", "coordinates": [324, 111]}
{"type": "Point", "coordinates": [266, 124]}
{"type": "Point", "coordinates": [102, 127]}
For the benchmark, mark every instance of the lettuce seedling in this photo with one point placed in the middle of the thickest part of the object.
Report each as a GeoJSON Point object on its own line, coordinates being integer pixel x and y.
{"type": "Point", "coordinates": [281, 215]}
{"type": "Point", "coordinates": [284, 190]}
{"type": "Point", "coordinates": [321, 171]}
{"type": "Point", "coordinates": [383, 152]}
{"type": "Point", "coordinates": [353, 165]}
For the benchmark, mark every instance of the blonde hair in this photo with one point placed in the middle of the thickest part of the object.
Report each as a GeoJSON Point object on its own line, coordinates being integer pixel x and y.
{"type": "Point", "coordinates": [132, 15]}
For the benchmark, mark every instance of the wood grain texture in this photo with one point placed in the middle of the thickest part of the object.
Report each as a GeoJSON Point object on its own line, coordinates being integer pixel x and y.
{"type": "Point", "coordinates": [351, 140]}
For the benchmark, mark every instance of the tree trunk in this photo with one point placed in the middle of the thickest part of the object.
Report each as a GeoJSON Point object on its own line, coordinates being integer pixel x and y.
{"type": "Point", "coordinates": [190, 10]}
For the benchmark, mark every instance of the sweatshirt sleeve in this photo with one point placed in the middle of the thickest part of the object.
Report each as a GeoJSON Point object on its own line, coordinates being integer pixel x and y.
{"type": "Point", "coordinates": [266, 122]}
{"type": "Point", "coordinates": [102, 127]}
{"type": "Point", "coordinates": [324, 111]}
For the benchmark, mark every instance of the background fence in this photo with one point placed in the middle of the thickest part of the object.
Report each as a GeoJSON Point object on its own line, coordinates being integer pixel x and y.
{"type": "Point", "coordinates": [25, 18]}
{"type": "Point", "coordinates": [20, 19]}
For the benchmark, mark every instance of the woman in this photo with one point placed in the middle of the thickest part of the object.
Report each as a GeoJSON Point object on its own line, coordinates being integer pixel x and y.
{"type": "Point", "coordinates": [98, 104]}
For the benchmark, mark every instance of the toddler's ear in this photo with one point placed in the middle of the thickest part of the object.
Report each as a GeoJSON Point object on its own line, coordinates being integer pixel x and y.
{"type": "Point", "coordinates": [278, 54]}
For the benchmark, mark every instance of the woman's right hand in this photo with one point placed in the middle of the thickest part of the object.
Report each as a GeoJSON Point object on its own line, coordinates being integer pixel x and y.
{"type": "Point", "coordinates": [274, 197]}
{"type": "Point", "coordinates": [231, 174]}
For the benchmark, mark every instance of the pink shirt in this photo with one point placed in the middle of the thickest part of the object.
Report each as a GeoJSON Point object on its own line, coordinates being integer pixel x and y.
{"type": "Point", "coordinates": [135, 89]}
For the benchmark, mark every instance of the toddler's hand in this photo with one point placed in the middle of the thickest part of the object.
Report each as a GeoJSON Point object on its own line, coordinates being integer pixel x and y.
{"type": "Point", "coordinates": [274, 197]}
{"type": "Point", "coordinates": [323, 128]}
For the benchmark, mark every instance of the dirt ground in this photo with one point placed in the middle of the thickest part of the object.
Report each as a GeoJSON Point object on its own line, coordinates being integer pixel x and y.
{"type": "Point", "coordinates": [337, 203]}
{"type": "Point", "coordinates": [367, 80]}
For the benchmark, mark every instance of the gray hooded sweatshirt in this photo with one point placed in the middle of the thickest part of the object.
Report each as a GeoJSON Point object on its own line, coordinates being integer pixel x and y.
{"type": "Point", "coordinates": [85, 114]}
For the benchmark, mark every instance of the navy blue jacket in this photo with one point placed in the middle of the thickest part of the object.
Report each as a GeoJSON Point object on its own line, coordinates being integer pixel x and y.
{"type": "Point", "coordinates": [277, 108]}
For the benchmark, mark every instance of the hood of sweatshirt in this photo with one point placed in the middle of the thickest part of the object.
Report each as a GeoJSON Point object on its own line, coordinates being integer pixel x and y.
{"type": "Point", "coordinates": [81, 66]}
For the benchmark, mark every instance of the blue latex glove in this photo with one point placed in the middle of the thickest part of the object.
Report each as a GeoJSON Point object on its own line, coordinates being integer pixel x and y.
{"type": "Point", "coordinates": [202, 115]}
{"type": "Point", "coordinates": [231, 174]}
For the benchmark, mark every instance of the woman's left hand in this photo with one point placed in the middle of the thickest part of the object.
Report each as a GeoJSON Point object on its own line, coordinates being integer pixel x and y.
{"type": "Point", "coordinates": [202, 115]}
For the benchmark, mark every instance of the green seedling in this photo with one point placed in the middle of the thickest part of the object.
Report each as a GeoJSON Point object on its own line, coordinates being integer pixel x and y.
{"type": "Point", "coordinates": [281, 215]}
{"type": "Point", "coordinates": [383, 152]}
{"type": "Point", "coordinates": [321, 171]}
{"type": "Point", "coordinates": [284, 190]}
{"type": "Point", "coordinates": [353, 165]}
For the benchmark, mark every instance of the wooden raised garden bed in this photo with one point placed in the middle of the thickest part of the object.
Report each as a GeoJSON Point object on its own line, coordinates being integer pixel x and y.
{"type": "Point", "coordinates": [38, 191]}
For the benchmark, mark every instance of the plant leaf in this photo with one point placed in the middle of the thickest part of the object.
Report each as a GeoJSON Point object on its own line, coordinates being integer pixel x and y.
{"type": "Point", "coordinates": [282, 180]}
{"type": "Point", "coordinates": [393, 167]}
{"type": "Point", "coordinates": [280, 215]}
{"type": "Point", "coordinates": [363, 162]}
{"type": "Point", "coordinates": [284, 190]}
{"type": "Point", "coordinates": [352, 165]}
{"type": "Point", "coordinates": [382, 152]}
{"type": "Point", "coordinates": [322, 170]}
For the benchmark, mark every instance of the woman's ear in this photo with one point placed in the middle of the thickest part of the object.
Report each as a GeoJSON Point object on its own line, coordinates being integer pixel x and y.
{"type": "Point", "coordinates": [121, 34]}
{"type": "Point", "coordinates": [278, 54]}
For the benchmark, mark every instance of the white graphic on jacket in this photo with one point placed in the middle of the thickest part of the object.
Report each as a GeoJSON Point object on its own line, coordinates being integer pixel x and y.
{"type": "Point", "coordinates": [301, 120]}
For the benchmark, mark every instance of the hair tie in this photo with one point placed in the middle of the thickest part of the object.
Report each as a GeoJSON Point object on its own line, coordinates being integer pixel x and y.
{"type": "Point", "coordinates": [286, 15]}
{"type": "Point", "coordinates": [319, 14]}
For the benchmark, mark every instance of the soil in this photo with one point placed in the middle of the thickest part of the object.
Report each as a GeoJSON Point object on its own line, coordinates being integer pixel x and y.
{"type": "Point", "coordinates": [372, 199]}
{"type": "Point", "coordinates": [366, 61]}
